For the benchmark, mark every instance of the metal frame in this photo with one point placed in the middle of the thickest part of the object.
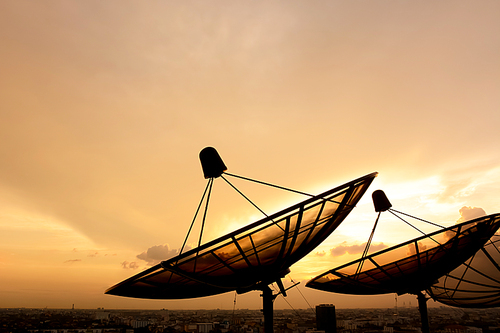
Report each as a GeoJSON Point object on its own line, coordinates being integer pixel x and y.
{"type": "Point", "coordinates": [474, 284]}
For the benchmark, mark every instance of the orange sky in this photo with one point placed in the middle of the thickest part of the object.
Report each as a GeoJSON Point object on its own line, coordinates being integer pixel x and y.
{"type": "Point", "coordinates": [106, 105]}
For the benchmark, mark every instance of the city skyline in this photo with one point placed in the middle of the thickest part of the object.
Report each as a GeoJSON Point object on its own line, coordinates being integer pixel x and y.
{"type": "Point", "coordinates": [106, 105]}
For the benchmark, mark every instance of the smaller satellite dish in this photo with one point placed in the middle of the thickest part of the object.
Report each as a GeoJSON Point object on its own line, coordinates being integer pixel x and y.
{"type": "Point", "coordinates": [412, 266]}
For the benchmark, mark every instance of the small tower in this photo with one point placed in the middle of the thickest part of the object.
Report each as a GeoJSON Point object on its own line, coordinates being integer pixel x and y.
{"type": "Point", "coordinates": [326, 319]}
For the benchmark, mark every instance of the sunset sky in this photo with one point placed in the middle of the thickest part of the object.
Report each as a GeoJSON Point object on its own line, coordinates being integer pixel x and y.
{"type": "Point", "coordinates": [105, 106]}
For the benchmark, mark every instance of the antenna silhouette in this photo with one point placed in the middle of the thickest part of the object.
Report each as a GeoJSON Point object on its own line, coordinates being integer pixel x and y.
{"type": "Point", "coordinates": [252, 257]}
{"type": "Point", "coordinates": [410, 267]}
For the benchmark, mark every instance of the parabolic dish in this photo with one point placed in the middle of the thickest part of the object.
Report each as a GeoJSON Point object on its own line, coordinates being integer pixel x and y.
{"type": "Point", "coordinates": [411, 266]}
{"type": "Point", "coordinates": [475, 283]}
{"type": "Point", "coordinates": [255, 255]}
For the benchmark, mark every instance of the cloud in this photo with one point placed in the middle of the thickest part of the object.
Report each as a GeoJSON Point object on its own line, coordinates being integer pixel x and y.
{"type": "Point", "coordinates": [467, 213]}
{"type": "Point", "coordinates": [72, 261]}
{"type": "Point", "coordinates": [354, 249]}
{"type": "Point", "coordinates": [157, 253]}
{"type": "Point", "coordinates": [470, 213]}
{"type": "Point", "coordinates": [412, 250]}
{"type": "Point", "coordinates": [129, 265]}
{"type": "Point", "coordinates": [93, 254]}
{"type": "Point", "coordinates": [320, 254]}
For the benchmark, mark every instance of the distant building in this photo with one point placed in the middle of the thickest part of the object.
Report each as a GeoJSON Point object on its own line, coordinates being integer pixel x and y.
{"type": "Point", "coordinates": [165, 315]}
{"type": "Point", "coordinates": [326, 319]}
{"type": "Point", "coordinates": [204, 327]}
{"type": "Point", "coordinates": [462, 329]}
{"type": "Point", "coordinates": [140, 323]}
{"type": "Point", "coordinates": [102, 315]}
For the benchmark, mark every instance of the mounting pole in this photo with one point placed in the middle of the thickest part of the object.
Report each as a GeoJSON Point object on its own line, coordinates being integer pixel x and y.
{"type": "Point", "coordinates": [267, 308]}
{"type": "Point", "coordinates": [422, 308]}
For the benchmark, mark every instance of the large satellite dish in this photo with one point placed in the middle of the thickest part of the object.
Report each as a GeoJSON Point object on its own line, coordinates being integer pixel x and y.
{"type": "Point", "coordinates": [412, 266]}
{"type": "Point", "coordinates": [475, 283]}
{"type": "Point", "coordinates": [251, 257]}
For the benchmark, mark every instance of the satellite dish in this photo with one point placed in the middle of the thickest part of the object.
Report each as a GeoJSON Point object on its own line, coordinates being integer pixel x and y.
{"type": "Point", "coordinates": [475, 283]}
{"type": "Point", "coordinates": [412, 266]}
{"type": "Point", "coordinates": [252, 257]}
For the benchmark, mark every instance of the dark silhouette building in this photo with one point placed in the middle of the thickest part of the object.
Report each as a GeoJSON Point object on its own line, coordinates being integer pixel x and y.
{"type": "Point", "coordinates": [325, 318]}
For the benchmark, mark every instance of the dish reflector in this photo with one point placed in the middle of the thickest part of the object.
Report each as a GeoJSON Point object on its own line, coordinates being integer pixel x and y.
{"type": "Point", "coordinates": [411, 266]}
{"type": "Point", "coordinates": [251, 257]}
